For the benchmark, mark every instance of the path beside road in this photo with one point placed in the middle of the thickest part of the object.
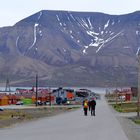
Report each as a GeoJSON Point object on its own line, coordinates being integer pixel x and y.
{"type": "Point", "coordinates": [70, 126]}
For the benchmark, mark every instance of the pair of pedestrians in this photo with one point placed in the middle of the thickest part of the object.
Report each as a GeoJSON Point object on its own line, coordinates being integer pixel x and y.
{"type": "Point", "coordinates": [91, 104]}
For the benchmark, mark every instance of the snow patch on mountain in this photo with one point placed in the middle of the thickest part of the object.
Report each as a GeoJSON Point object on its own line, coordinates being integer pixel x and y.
{"type": "Point", "coordinates": [84, 23]}
{"type": "Point", "coordinates": [126, 47]}
{"type": "Point", "coordinates": [35, 37]}
{"type": "Point", "coordinates": [40, 33]}
{"type": "Point", "coordinates": [68, 18]}
{"type": "Point", "coordinates": [70, 31]}
{"type": "Point", "coordinates": [113, 23]}
{"type": "Point", "coordinates": [78, 41]}
{"type": "Point", "coordinates": [64, 50]}
{"type": "Point", "coordinates": [99, 37]}
{"type": "Point", "coordinates": [108, 40]}
{"type": "Point", "coordinates": [89, 22]}
{"type": "Point", "coordinates": [112, 33]}
{"type": "Point", "coordinates": [40, 14]}
{"type": "Point", "coordinates": [137, 53]}
{"type": "Point", "coordinates": [97, 42]}
{"type": "Point", "coordinates": [137, 33]}
{"type": "Point", "coordinates": [72, 17]}
{"type": "Point", "coordinates": [72, 37]}
{"type": "Point", "coordinates": [84, 51]}
{"type": "Point", "coordinates": [106, 25]}
{"type": "Point", "coordinates": [58, 18]}
{"type": "Point", "coordinates": [92, 33]}
{"type": "Point", "coordinates": [102, 32]}
{"type": "Point", "coordinates": [17, 41]}
{"type": "Point", "coordinates": [60, 24]}
{"type": "Point", "coordinates": [35, 30]}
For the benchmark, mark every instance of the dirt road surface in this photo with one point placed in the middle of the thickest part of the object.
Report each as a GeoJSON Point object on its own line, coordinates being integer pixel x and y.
{"type": "Point", "coordinates": [70, 126]}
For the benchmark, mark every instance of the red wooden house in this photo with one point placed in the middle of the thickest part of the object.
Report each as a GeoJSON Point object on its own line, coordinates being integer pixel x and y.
{"type": "Point", "coordinates": [3, 100]}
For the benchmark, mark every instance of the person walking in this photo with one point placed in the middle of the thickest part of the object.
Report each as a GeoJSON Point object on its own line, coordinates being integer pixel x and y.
{"type": "Point", "coordinates": [89, 105]}
{"type": "Point", "coordinates": [85, 106]}
{"type": "Point", "coordinates": [92, 106]}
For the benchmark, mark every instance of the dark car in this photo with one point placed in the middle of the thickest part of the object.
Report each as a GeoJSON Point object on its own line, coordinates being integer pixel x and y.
{"type": "Point", "coordinates": [58, 100]}
{"type": "Point", "coordinates": [1, 109]}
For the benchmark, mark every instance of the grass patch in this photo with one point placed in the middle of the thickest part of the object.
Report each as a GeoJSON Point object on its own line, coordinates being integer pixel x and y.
{"type": "Point", "coordinates": [9, 117]}
{"type": "Point", "coordinates": [125, 107]}
{"type": "Point", "coordinates": [137, 121]}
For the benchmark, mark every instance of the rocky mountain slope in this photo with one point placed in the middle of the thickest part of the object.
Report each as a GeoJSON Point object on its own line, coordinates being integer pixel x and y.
{"type": "Point", "coordinates": [71, 49]}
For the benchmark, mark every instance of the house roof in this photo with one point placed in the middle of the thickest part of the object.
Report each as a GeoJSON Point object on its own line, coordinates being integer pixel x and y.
{"type": "Point", "coordinates": [3, 96]}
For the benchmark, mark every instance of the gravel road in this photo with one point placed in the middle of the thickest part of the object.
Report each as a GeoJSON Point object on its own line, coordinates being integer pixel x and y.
{"type": "Point", "coordinates": [71, 126]}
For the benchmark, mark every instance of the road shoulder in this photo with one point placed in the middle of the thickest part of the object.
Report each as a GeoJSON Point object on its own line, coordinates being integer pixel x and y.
{"type": "Point", "coordinates": [131, 129]}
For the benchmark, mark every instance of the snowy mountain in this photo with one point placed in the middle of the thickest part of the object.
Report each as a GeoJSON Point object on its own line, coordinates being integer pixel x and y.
{"type": "Point", "coordinates": [71, 49]}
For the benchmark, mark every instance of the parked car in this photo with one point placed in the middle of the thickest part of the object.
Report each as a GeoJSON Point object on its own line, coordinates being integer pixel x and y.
{"type": "Point", "coordinates": [39, 102]}
{"type": "Point", "coordinates": [60, 100]}
{"type": "Point", "coordinates": [1, 109]}
{"type": "Point", "coordinates": [122, 98]}
{"type": "Point", "coordinates": [19, 103]}
{"type": "Point", "coordinates": [46, 103]}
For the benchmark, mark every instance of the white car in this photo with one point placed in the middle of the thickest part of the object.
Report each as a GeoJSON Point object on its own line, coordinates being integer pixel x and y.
{"type": "Point", "coordinates": [19, 103]}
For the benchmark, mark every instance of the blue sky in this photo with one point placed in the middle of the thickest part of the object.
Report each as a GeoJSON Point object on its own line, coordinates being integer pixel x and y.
{"type": "Point", "coordinates": [12, 11]}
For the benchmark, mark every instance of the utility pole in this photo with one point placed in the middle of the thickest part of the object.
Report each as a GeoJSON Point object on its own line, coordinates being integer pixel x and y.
{"type": "Point", "coordinates": [7, 88]}
{"type": "Point", "coordinates": [49, 96]}
{"type": "Point", "coordinates": [36, 90]}
{"type": "Point", "coordinates": [138, 94]}
{"type": "Point", "coordinates": [138, 58]}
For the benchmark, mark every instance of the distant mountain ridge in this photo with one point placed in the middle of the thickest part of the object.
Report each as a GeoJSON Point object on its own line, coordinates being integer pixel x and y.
{"type": "Point", "coordinates": [71, 49]}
